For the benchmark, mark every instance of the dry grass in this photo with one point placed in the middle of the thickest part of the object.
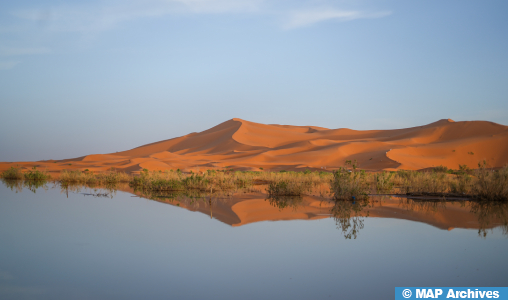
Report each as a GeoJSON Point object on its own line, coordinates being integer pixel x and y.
{"type": "Point", "coordinates": [343, 184]}
{"type": "Point", "coordinates": [423, 182]}
{"type": "Point", "coordinates": [176, 181]}
{"type": "Point", "coordinates": [67, 177]}
{"type": "Point", "coordinates": [491, 184]}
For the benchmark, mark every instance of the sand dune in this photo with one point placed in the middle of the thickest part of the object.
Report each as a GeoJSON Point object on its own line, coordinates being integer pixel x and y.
{"type": "Point", "coordinates": [244, 145]}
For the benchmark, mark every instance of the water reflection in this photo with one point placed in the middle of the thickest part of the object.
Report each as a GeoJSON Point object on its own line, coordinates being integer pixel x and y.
{"type": "Point", "coordinates": [424, 206]}
{"type": "Point", "coordinates": [243, 207]}
{"type": "Point", "coordinates": [487, 214]}
{"type": "Point", "coordinates": [282, 202]}
{"type": "Point", "coordinates": [349, 216]}
{"type": "Point", "coordinates": [490, 214]}
{"type": "Point", "coordinates": [94, 190]}
{"type": "Point", "coordinates": [18, 185]}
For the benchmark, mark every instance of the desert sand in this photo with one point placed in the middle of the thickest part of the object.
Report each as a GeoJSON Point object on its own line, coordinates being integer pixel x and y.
{"type": "Point", "coordinates": [243, 145]}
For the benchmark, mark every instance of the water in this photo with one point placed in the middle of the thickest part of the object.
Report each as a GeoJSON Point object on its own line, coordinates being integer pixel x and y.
{"type": "Point", "coordinates": [67, 245]}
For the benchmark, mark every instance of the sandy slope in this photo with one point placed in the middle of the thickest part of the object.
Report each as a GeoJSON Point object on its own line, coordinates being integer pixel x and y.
{"type": "Point", "coordinates": [244, 145]}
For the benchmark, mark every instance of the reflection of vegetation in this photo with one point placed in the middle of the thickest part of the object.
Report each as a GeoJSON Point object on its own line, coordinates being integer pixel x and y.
{"type": "Point", "coordinates": [348, 216]}
{"type": "Point", "coordinates": [285, 201]}
{"type": "Point", "coordinates": [489, 213]}
{"type": "Point", "coordinates": [95, 190]}
{"type": "Point", "coordinates": [287, 188]}
{"type": "Point", "coordinates": [171, 195]}
{"type": "Point", "coordinates": [18, 185]}
{"type": "Point", "coordinates": [429, 206]}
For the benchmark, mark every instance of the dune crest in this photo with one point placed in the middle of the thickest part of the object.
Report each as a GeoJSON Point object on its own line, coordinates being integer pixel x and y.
{"type": "Point", "coordinates": [245, 145]}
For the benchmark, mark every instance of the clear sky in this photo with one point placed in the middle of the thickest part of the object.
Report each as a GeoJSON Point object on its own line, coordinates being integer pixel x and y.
{"type": "Point", "coordinates": [79, 78]}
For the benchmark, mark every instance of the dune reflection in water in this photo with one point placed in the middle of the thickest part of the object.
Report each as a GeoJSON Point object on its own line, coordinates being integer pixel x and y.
{"type": "Point", "coordinates": [241, 207]}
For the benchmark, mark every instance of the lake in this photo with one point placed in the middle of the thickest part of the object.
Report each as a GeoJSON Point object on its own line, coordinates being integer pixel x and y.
{"type": "Point", "coordinates": [84, 243]}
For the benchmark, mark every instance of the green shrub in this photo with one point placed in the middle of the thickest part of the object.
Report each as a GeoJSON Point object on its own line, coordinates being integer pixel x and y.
{"type": "Point", "coordinates": [462, 184]}
{"type": "Point", "coordinates": [12, 173]}
{"type": "Point", "coordinates": [347, 184]}
{"type": "Point", "coordinates": [440, 169]}
{"type": "Point", "coordinates": [384, 181]}
{"type": "Point", "coordinates": [195, 182]}
{"type": "Point", "coordinates": [36, 175]}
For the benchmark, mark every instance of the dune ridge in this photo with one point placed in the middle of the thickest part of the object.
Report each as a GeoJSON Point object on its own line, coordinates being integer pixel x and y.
{"type": "Point", "coordinates": [244, 145]}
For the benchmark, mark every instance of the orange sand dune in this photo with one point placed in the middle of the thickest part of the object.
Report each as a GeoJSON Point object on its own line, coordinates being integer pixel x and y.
{"type": "Point", "coordinates": [244, 145]}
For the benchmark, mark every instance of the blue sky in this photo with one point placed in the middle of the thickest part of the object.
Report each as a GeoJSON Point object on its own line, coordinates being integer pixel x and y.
{"type": "Point", "coordinates": [103, 76]}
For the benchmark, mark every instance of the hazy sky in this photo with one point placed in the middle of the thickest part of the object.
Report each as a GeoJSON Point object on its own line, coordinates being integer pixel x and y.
{"type": "Point", "coordinates": [103, 76]}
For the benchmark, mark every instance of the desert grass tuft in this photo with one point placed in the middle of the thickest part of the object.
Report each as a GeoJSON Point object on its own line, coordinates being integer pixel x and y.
{"type": "Point", "coordinates": [491, 184]}
{"type": "Point", "coordinates": [36, 175]}
{"type": "Point", "coordinates": [423, 182]}
{"type": "Point", "coordinates": [384, 182]}
{"type": "Point", "coordinates": [349, 183]}
{"type": "Point", "coordinates": [12, 173]}
{"type": "Point", "coordinates": [67, 177]}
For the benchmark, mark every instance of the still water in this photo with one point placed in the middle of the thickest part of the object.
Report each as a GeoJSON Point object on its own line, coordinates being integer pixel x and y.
{"type": "Point", "coordinates": [97, 244]}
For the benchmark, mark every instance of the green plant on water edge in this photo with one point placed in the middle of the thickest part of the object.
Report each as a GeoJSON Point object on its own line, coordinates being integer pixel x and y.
{"type": "Point", "coordinates": [491, 184]}
{"type": "Point", "coordinates": [349, 183]}
{"type": "Point", "coordinates": [36, 175]}
{"type": "Point", "coordinates": [12, 173]}
{"type": "Point", "coordinates": [17, 174]}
